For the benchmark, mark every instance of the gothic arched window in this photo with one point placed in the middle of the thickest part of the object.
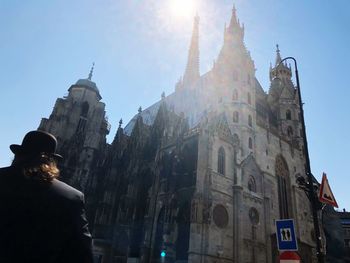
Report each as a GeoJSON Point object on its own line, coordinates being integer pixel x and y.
{"type": "Point", "coordinates": [221, 161]}
{"type": "Point", "coordinates": [83, 117]}
{"type": "Point", "coordinates": [288, 115]}
{"type": "Point", "coordinates": [282, 174]}
{"type": "Point", "coordinates": [250, 143]}
{"type": "Point", "coordinates": [248, 79]}
{"type": "Point", "coordinates": [84, 109]}
{"type": "Point", "coordinates": [235, 95]}
{"type": "Point", "coordinates": [183, 221]}
{"type": "Point", "coordinates": [252, 184]}
{"type": "Point", "coordinates": [249, 98]}
{"type": "Point", "coordinates": [290, 131]}
{"type": "Point", "coordinates": [234, 75]}
{"type": "Point", "coordinates": [236, 116]}
{"type": "Point", "coordinates": [250, 122]}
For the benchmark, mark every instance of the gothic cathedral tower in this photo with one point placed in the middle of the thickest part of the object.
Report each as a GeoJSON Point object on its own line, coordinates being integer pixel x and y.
{"type": "Point", "coordinates": [80, 125]}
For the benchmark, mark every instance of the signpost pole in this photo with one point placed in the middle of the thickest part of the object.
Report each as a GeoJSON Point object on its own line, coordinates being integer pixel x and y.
{"type": "Point", "coordinates": [308, 168]}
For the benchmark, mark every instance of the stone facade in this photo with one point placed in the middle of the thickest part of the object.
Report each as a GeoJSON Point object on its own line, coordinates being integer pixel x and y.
{"type": "Point", "coordinates": [202, 175]}
{"type": "Point", "coordinates": [345, 226]}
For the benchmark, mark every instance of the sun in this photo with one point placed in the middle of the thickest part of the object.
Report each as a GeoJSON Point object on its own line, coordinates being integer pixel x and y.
{"type": "Point", "coordinates": [182, 8]}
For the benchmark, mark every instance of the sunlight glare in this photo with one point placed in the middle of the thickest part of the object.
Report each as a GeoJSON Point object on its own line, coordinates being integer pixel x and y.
{"type": "Point", "coordinates": [182, 8]}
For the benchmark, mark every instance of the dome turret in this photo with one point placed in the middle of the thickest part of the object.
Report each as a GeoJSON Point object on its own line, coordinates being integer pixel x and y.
{"type": "Point", "coordinates": [87, 83]}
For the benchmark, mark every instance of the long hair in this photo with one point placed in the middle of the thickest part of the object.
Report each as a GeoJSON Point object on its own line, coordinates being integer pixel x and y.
{"type": "Point", "coordinates": [41, 167]}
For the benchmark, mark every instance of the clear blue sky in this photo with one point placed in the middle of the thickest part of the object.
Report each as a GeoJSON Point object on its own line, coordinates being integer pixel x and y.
{"type": "Point", "coordinates": [140, 49]}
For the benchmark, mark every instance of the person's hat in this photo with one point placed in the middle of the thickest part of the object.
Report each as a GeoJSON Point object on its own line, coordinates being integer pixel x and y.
{"type": "Point", "coordinates": [37, 142]}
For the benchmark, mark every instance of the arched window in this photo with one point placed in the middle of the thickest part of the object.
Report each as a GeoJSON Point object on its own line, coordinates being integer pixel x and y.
{"type": "Point", "coordinates": [249, 98]}
{"type": "Point", "coordinates": [235, 95]}
{"type": "Point", "coordinates": [252, 184]}
{"type": "Point", "coordinates": [83, 117]}
{"type": "Point", "coordinates": [282, 174]}
{"type": "Point", "coordinates": [234, 75]}
{"type": "Point", "coordinates": [221, 161]}
{"type": "Point", "coordinates": [290, 131]}
{"type": "Point", "coordinates": [288, 115]}
{"type": "Point", "coordinates": [235, 139]}
{"type": "Point", "coordinates": [250, 143]}
{"type": "Point", "coordinates": [236, 116]}
{"type": "Point", "coordinates": [250, 122]}
{"type": "Point", "coordinates": [84, 109]}
{"type": "Point", "coordinates": [183, 221]}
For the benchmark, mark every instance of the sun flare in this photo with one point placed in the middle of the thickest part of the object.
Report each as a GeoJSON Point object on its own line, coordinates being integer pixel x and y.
{"type": "Point", "coordinates": [182, 8]}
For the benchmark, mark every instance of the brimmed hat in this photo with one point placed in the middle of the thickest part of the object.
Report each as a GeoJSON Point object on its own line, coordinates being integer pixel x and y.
{"type": "Point", "coordinates": [37, 142]}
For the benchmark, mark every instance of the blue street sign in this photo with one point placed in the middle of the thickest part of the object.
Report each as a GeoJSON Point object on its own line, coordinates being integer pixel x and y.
{"type": "Point", "coordinates": [285, 233]}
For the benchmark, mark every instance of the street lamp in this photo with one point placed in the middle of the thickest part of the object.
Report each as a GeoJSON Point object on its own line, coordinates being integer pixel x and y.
{"type": "Point", "coordinates": [308, 186]}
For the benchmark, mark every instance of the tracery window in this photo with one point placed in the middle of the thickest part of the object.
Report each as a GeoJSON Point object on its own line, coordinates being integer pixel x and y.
{"type": "Point", "coordinates": [234, 75]}
{"type": "Point", "coordinates": [288, 115]}
{"type": "Point", "coordinates": [250, 143]}
{"type": "Point", "coordinates": [83, 117]}
{"type": "Point", "coordinates": [282, 174]}
{"type": "Point", "coordinates": [249, 98]}
{"type": "Point", "coordinates": [252, 184]}
{"type": "Point", "coordinates": [248, 79]}
{"type": "Point", "coordinates": [221, 161]}
{"type": "Point", "coordinates": [236, 117]}
{"type": "Point", "coordinates": [85, 109]}
{"type": "Point", "coordinates": [235, 95]}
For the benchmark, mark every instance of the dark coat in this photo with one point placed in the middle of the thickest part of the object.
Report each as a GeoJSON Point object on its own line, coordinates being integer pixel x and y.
{"type": "Point", "coordinates": [41, 222]}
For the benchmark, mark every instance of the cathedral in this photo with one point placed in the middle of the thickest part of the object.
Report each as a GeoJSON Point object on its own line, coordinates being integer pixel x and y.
{"type": "Point", "coordinates": [202, 175]}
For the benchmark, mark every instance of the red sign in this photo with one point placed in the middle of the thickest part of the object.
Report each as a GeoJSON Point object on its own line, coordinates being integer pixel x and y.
{"type": "Point", "coordinates": [289, 257]}
{"type": "Point", "coordinates": [326, 195]}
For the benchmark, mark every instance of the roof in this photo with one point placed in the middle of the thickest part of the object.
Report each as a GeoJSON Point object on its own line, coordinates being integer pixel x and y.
{"type": "Point", "coordinates": [87, 83]}
{"type": "Point", "coordinates": [148, 116]}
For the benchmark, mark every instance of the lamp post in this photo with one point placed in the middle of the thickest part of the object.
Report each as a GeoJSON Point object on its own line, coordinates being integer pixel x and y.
{"type": "Point", "coordinates": [310, 186]}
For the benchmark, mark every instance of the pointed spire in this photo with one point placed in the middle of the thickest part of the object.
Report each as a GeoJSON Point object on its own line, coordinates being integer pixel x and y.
{"type": "Point", "coordinates": [280, 70]}
{"type": "Point", "coordinates": [234, 21]}
{"type": "Point", "coordinates": [234, 31]}
{"type": "Point", "coordinates": [120, 123]}
{"type": "Point", "coordinates": [140, 110]}
{"type": "Point", "coordinates": [278, 55]}
{"type": "Point", "coordinates": [192, 68]}
{"type": "Point", "coordinates": [163, 95]}
{"type": "Point", "coordinates": [91, 71]}
{"type": "Point", "coordinates": [225, 27]}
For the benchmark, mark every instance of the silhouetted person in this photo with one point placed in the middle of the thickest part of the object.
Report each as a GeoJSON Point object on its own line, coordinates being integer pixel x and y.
{"type": "Point", "coordinates": [41, 218]}
{"type": "Point", "coordinates": [283, 234]}
{"type": "Point", "coordinates": [288, 235]}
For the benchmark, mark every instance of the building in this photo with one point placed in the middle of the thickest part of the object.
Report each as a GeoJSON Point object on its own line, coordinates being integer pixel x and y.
{"type": "Point", "coordinates": [201, 175]}
{"type": "Point", "coordinates": [80, 125]}
{"type": "Point", "coordinates": [344, 217]}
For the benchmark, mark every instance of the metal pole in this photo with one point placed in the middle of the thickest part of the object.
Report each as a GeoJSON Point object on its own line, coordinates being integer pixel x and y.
{"type": "Point", "coordinates": [308, 168]}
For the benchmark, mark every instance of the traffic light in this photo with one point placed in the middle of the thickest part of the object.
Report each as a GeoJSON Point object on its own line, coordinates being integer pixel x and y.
{"type": "Point", "coordinates": [163, 253]}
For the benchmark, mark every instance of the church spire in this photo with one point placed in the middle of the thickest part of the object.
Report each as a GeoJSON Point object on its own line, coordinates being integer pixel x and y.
{"type": "Point", "coordinates": [192, 68]}
{"type": "Point", "coordinates": [278, 56]}
{"type": "Point", "coordinates": [280, 70]}
{"type": "Point", "coordinates": [234, 21]}
{"type": "Point", "coordinates": [234, 32]}
{"type": "Point", "coordinates": [91, 71]}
